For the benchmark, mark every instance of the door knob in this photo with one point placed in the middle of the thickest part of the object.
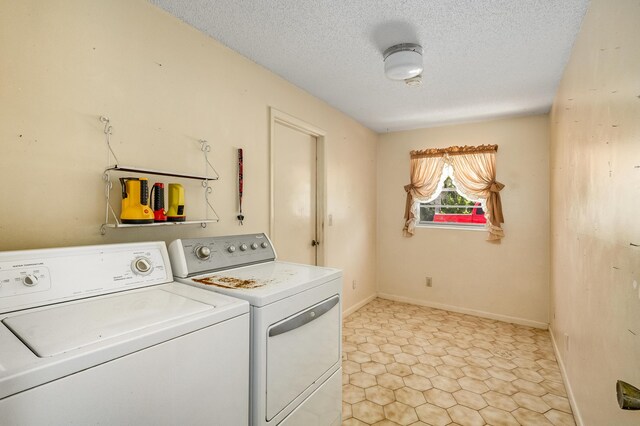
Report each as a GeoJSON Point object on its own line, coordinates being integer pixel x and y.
{"type": "Point", "coordinates": [628, 396]}
{"type": "Point", "coordinates": [315, 243]}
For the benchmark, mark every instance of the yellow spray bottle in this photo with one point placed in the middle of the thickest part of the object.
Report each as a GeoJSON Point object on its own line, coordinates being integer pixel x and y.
{"type": "Point", "coordinates": [135, 201]}
{"type": "Point", "coordinates": [176, 211]}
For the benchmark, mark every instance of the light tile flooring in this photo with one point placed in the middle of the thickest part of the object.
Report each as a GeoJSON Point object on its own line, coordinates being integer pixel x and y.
{"type": "Point", "coordinates": [412, 365]}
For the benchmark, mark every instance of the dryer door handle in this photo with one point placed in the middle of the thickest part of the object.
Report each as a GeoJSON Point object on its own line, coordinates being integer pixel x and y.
{"type": "Point", "coordinates": [304, 317]}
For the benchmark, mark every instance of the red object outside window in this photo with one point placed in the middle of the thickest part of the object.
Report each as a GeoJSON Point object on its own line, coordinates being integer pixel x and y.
{"type": "Point", "coordinates": [476, 216]}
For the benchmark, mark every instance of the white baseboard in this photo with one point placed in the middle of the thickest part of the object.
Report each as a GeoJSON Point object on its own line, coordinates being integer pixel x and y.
{"type": "Point", "coordinates": [483, 314]}
{"type": "Point", "coordinates": [567, 385]}
{"type": "Point", "coordinates": [358, 305]}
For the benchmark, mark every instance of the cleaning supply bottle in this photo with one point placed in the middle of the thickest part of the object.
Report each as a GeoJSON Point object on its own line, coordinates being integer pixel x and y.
{"type": "Point", "coordinates": [157, 202]}
{"type": "Point", "coordinates": [135, 201]}
{"type": "Point", "coordinates": [176, 212]}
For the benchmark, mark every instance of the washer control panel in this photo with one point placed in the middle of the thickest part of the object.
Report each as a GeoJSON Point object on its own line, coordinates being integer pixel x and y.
{"type": "Point", "coordinates": [24, 279]}
{"type": "Point", "coordinates": [31, 278]}
{"type": "Point", "coordinates": [198, 255]}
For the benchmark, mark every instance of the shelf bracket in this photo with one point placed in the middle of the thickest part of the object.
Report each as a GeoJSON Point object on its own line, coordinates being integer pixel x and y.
{"type": "Point", "coordinates": [108, 131]}
{"type": "Point", "coordinates": [206, 148]}
{"type": "Point", "coordinates": [207, 191]}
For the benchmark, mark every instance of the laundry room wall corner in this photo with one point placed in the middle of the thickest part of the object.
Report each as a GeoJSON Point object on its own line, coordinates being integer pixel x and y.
{"type": "Point", "coordinates": [165, 86]}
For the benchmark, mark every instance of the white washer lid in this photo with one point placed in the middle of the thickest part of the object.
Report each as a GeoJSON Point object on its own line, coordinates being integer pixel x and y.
{"type": "Point", "coordinates": [72, 326]}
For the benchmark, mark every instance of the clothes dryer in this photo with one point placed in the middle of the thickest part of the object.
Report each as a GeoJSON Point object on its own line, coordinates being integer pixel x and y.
{"type": "Point", "coordinates": [296, 311]}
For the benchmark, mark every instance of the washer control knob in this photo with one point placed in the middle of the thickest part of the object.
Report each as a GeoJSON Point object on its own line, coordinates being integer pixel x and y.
{"type": "Point", "coordinates": [30, 280]}
{"type": "Point", "coordinates": [254, 246]}
{"type": "Point", "coordinates": [203, 252]}
{"type": "Point", "coordinates": [243, 247]}
{"type": "Point", "coordinates": [231, 249]}
{"type": "Point", "coordinates": [264, 244]}
{"type": "Point", "coordinates": [142, 266]}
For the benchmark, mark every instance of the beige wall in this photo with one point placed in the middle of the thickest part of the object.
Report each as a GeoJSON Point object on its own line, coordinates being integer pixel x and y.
{"type": "Point", "coordinates": [164, 85]}
{"type": "Point", "coordinates": [507, 281]}
{"type": "Point", "coordinates": [595, 200]}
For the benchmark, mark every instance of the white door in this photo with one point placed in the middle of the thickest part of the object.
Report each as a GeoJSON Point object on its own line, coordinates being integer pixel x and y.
{"type": "Point", "coordinates": [294, 223]}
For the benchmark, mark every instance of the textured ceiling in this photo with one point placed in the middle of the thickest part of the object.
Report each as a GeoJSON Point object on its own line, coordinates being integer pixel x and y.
{"type": "Point", "coordinates": [483, 58]}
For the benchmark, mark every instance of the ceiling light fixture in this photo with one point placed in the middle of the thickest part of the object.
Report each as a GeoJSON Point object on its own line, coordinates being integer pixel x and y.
{"type": "Point", "coordinates": [414, 81]}
{"type": "Point", "coordinates": [403, 61]}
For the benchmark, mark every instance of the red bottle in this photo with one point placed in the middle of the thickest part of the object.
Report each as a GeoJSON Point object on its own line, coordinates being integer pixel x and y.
{"type": "Point", "coordinates": [157, 202]}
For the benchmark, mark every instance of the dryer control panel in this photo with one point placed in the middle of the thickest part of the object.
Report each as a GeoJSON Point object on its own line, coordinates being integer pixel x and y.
{"type": "Point", "coordinates": [198, 255]}
{"type": "Point", "coordinates": [32, 278]}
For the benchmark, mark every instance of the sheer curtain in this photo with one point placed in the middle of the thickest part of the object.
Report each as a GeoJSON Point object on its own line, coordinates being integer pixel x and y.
{"type": "Point", "coordinates": [425, 174]}
{"type": "Point", "coordinates": [474, 174]}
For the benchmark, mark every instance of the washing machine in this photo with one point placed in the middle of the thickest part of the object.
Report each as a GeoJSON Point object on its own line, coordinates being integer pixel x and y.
{"type": "Point", "coordinates": [296, 311]}
{"type": "Point", "coordinates": [103, 335]}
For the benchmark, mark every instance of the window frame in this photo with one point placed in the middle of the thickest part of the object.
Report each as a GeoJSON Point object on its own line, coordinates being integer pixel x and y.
{"type": "Point", "coordinates": [447, 172]}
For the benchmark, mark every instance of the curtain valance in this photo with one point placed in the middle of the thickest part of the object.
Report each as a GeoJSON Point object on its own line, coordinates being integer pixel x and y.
{"type": "Point", "coordinates": [453, 150]}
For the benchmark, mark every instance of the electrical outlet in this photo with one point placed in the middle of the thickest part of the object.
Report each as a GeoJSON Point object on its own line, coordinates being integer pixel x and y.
{"type": "Point", "coordinates": [566, 342]}
{"type": "Point", "coordinates": [353, 284]}
{"type": "Point", "coordinates": [428, 282]}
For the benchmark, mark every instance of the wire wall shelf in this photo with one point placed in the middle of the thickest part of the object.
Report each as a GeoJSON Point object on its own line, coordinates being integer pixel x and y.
{"type": "Point", "coordinates": [112, 220]}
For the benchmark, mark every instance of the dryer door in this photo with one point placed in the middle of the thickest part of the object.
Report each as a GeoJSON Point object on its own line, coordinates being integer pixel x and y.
{"type": "Point", "coordinates": [300, 349]}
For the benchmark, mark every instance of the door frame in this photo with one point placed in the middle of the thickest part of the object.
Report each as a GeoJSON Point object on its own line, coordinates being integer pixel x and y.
{"type": "Point", "coordinates": [284, 119]}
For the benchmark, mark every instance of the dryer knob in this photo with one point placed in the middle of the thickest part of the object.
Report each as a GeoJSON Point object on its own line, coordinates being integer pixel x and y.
{"type": "Point", "coordinates": [243, 247]}
{"type": "Point", "coordinates": [203, 252]}
{"type": "Point", "coordinates": [30, 280]}
{"type": "Point", "coordinates": [254, 246]}
{"type": "Point", "coordinates": [264, 244]}
{"type": "Point", "coordinates": [231, 249]}
{"type": "Point", "coordinates": [142, 266]}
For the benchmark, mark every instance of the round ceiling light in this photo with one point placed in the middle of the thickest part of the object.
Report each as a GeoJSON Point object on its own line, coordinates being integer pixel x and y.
{"type": "Point", "coordinates": [403, 61]}
{"type": "Point", "coordinates": [414, 81]}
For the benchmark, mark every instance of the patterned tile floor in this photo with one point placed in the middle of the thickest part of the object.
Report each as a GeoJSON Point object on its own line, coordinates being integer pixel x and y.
{"type": "Point", "coordinates": [412, 365]}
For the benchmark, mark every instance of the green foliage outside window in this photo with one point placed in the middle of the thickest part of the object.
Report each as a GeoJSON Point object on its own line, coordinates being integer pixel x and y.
{"type": "Point", "coordinates": [452, 198]}
{"type": "Point", "coordinates": [450, 202]}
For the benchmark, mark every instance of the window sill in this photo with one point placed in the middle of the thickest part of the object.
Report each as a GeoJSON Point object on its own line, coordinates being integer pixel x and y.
{"type": "Point", "coordinates": [454, 227]}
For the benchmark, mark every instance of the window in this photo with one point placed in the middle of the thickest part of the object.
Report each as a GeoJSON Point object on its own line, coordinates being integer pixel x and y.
{"type": "Point", "coordinates": [474, 180]}
{"type": "Point", "coordinates": [451, 208]}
